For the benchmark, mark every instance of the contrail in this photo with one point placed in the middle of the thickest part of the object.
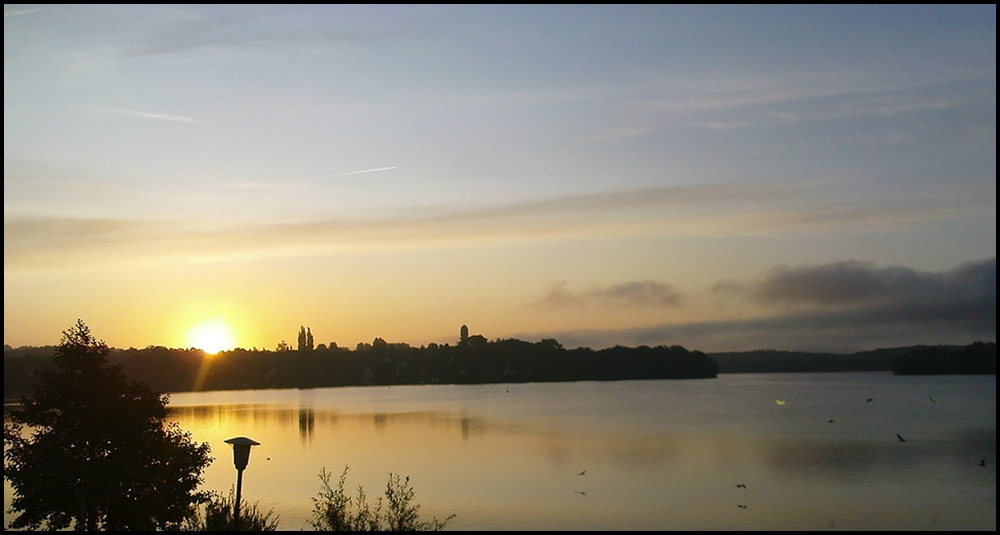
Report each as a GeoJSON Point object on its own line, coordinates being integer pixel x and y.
{"type": "Point", "coordinates": [156, 116]}
{"type": "Point", "coordinates": [365, 171]}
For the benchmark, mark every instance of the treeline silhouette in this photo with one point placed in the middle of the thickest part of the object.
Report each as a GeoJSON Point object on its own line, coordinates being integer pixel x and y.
{"type": "Point", "coordinates": [778, 361]}
{"type": "Point", "coordinates": [979, 358]}
{"type": "Point", "coordinates": [474, 360]}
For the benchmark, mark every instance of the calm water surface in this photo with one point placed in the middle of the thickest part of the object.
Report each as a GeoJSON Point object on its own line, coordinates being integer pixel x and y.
{"type": "Point", "coordinates": [652, 454]}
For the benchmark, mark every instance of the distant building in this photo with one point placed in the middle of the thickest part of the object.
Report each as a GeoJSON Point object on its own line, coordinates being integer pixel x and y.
{"type": "Point", "coordinates": [463, 336]}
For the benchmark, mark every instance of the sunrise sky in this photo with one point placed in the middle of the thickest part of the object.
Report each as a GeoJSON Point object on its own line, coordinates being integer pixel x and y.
{"type": "Point", "coordinates": [723, 178]}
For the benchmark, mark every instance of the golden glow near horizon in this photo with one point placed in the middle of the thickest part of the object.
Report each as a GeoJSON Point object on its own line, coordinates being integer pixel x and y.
{"type": "Point", "coordinates": [601, 176]}
{"type": "Point", "coordinates": [212, 335]}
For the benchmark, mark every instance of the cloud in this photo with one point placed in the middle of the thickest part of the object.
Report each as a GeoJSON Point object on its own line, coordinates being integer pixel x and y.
{"type": "Point", "coordinates": [625, 132]}
{"type": "Point", "coordinates": [19, 12]}
{"type": "Point", "coordinates": [166, 30]}
{"type": "Point", "coordinates": [861, 283]}
{"type": "Point", "coordinates": [155, 116]}
{"type": "Point", "coordinates": [808, 100]}
{"type": "Point", "coordinates": [632, 294]}
{"type": "Point", "coordinates": [724, 125]}
{"type": "Point", "coordinates": [637, 294]}
{"type": "Point", "coordinates": [856, 306]}
{"type": "Point", "coordinates": [838, 283]}
{"type": "Point", "coordinates": [763, 93]}
{"type": "Point", "coordinates": [559, 296]}
{"type": "Point", "coordinates": [701, 210]}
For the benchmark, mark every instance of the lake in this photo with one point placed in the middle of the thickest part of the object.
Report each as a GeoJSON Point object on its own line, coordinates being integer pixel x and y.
{"type": "Point", "coordinates": [814, 451]}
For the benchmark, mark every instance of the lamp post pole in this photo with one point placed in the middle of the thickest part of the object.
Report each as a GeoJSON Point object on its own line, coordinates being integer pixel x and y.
{"type": "Point", "coordinates": [241, 456]}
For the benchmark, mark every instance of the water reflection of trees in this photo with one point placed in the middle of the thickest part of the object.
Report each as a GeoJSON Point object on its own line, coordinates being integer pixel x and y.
{"type": "Point", "coordinates": [307, 424]}
{"type": "Point", "coordinates": [312, 424]}
{"type": "Point", "coordinates": [307, 419]}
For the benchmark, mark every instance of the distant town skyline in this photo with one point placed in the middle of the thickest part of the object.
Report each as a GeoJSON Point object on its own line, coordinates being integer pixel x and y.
{"type": "Point", "coordinates": [717, 177]}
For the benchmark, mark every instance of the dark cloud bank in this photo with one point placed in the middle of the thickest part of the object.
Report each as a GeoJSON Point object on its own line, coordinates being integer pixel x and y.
{"type": "Point", "coordinates": [840, 307]}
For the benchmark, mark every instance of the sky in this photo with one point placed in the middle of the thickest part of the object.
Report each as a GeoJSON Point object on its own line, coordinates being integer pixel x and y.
{"type": "Point", "coordinates": [722, 178]}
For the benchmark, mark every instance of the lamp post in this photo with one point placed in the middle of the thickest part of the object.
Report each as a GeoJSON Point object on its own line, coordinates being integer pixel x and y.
{"type": "Point", "coordinates": [241, 456]}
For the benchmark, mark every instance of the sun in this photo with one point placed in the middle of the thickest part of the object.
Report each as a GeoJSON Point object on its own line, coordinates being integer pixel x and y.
{"type": "Point", "coordinates": [212, 335]}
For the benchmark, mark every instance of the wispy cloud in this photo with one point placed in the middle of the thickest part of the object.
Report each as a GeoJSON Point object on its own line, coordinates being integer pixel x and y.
{"type": "Point", "coordinates": [14, 12]}
{"type": "Point", "coordinates": [241, 30]}
{"type": "Point", "coordinates": [624, 132]}
{"type": "Point", "coordinates": [632, 294]}
{"type": "Point", "coordinates": [721, 209]}
{"type": "Point", "coordinates": [812, 98]}
{"type": "Point", "coordinates": [724, 125]}
{"type": "Point", "coordinates": [300, 185]}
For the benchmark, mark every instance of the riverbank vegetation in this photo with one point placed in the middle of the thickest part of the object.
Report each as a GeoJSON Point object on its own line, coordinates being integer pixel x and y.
{"type": "Point", "coordinates": [476, 360]}
{"type": "Point", "coordinates": [217, 515]}
{"type": "Point", "coordinates": [89, 449]}
{"type": "Point", "coordinates": [334, 510]}
{"type": "Point", "coordinates": [976, 359]}
{"type": "Point", "coordinates": [473, 361]}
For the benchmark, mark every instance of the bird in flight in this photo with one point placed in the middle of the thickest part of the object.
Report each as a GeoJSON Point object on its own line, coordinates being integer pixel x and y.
{"type": "Point", "coordinates": [901, 439]}
{"type": "Point", "coordinates": [982, 462]}
{"type": "Point", "coordinates": [741, 506]}
{"type": "Point", "coordinates": [741, 486]}
{"type": "Point", "coordinates": [869, 400]}
{"type": "Point", "coordinates": [932, 399]}
{"type": "Point", "coordinates": [582, 473]}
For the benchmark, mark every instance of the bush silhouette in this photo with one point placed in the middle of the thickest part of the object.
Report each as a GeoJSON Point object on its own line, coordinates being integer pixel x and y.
{"type": "Point", "coordinates": [333, 510]}
{"type": "Point", "coordinates": [219, 516]}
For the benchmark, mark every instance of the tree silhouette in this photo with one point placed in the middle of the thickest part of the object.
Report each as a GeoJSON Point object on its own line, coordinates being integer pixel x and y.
{"type": "Point", "coordinates": [90, 448]}
{"type": "Point", "coordinates": [305, 341]}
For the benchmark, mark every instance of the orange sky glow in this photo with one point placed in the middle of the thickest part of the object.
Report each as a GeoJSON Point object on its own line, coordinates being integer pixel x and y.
{"type": "Point", "coordinates": [220, 176]}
